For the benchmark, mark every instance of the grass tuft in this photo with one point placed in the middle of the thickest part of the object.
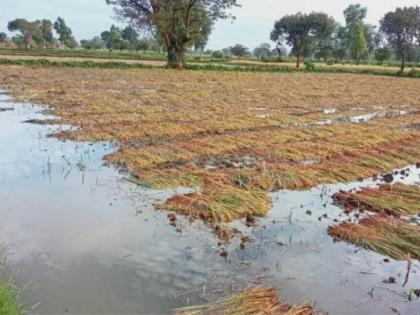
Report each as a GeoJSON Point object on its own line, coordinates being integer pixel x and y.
{"type": "Point", "coordinates": [9, 298]}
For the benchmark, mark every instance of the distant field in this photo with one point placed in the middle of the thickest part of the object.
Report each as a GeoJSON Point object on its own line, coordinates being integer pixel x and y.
{"type": "Point", "coordinates": [318, 64]}
{"type": "Point", "coordinates": [98, 60]}
{"type": "Point", "coordinates": [206, 63]}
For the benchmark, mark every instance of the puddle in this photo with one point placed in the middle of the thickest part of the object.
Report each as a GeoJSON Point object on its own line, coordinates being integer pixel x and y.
{"type": "Point", "coordinates": [81, 239]}
{"type": "Point", "coordinates": [367, 117]}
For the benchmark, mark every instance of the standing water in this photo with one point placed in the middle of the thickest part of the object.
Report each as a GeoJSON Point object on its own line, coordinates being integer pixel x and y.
{"type": "Point", "coordinates": [80, 239]}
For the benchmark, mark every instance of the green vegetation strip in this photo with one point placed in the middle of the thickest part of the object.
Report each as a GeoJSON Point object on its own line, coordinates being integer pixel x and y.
{"type": "Point", "coordinates": [9, 298]}
{"type": "Point", "coordinates": [206, 67]}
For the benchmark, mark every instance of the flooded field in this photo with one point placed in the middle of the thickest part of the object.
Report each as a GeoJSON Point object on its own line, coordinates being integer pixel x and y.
{"type": "Point", "coordinates": [82, 239]}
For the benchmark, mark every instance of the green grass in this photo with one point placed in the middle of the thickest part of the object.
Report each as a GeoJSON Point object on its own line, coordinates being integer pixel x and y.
{"type": "Point", "coordinates": [84, 53]}
{"type": "Point", "coordinates": [75, 64]}
{"type": "Point", "coordinates": [9, 297]}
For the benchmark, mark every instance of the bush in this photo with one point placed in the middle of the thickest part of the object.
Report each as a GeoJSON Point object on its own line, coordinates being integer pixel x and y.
{"type": "Point", "coordinates": [309, 65]}
{"type": "Point", "coordinates": [413, 73]}
{"type": "Point", "coordinates": [330, 62]}
{"type": "Point", "coordinates": [217, 54]}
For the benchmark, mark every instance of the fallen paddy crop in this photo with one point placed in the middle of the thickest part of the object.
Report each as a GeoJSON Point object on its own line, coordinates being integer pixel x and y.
{"type": "Point", "coordinates": [384, 234]}
{"type": "Point", "coordinates": [397, 200]}
{"type": "Point", "coordinates": [233, 136]}
{"type": "Point", "coordinates": [254, 301]}
{"type": "Point", "coordinates": [391, 230]}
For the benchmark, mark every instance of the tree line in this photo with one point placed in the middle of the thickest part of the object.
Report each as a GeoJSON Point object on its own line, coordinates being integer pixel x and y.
{"type": "Point", "coordinates": [177, 26]}
{"type": "Point", "coordinates": [179, 23]}
{"type": "Point", "coordinates": [39, 34]}
{"type": "Point", "coordinates": [317, 34]}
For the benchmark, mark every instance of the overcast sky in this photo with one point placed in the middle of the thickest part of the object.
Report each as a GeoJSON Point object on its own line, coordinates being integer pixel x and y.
{"type": "Point", "coordinates": [253, 25]}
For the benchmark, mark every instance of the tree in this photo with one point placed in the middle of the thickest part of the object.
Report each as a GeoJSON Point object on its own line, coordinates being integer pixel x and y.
{"type": "Point", "coordinates": [65, 34]}
{"type": "Point", "coordinates": [129, 34]}
{"type": "Point", "coordinates": [177, 23]}
{"type": "Point", "coordinates": [3, 37]}
{"type": "Point", "coordinates": [143, 44]}
{"type": "Point", "coordinates": [358, 43]}
{"type": "Point", "coordinates": [382, 54]}
{"type": "Point", "coordinates": [301, 30]}
{"type": "Point", "coordinates": [263, 51]}
{"type": "Point", "coordinates": [47, 33]}
{"type": "Point", "coordinates": [217, 54]}
{"type": "Point", "coordinates": [356, 33]}
{"type": "Point", "coordinates": [239, 50]}
{"type": "Point", "coordinates": [401, 29]}
{"type": "Point", "coordinates": [114, 39]}
{"type": "Point", "coordinates": [201, 36]}
{"type": "Point", "coordinates": [30, 32]}
{"type": "Point", "coordinates": [354, 14]}
{"type": "Point", "coordinates": [94, 43]}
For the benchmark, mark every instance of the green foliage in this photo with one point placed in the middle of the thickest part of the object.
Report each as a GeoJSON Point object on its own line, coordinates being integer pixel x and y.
{"type": "Point", "coordinates": [94, 43]}
{"type": "Point", "coordinates": [9, 297]}
{"type": "Point", "coordinates": [357, 37]}
{"type": "Point", "coordinates": [217, 54]}
{"type": "Point", "coordinates": [3, 37]}
{"type": "Point", "coordinates": [354, 14]}
{"type": "Point", "coordinates": [65, 34]}
{"type": "Point", "coordinates": [358, 43]}
{"type": "Point", "coordinates": [114, 39]}
{"type": "Point", "coordinates": [239, 50]}
{"type": "Point", "coordinates": [309, 65]}
{"type": "Point", "coordinates": [402, 29]}
{"type": "Point", "coordinates": [206, 67]}
{"type": "Point", "coordinates": [382, 54]}
{"type": "Point", "coordinates": [263, 51]}
{"type": "Point", "coordinates": [179, 25]}
{"type": "Point", "coordinates": [413, 73]}
{"type": "Point", "coordinates": [30, 32]}
{"type": "Point", "coordinates": [129, 34]}
{"type": "Point", "coordinates": [47, 33]}
{"type": "Point", "coordinates": [300, 31]}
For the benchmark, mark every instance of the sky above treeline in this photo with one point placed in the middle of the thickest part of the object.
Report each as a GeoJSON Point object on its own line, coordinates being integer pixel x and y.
{"type": "Point", "coordinates": [255, 18]}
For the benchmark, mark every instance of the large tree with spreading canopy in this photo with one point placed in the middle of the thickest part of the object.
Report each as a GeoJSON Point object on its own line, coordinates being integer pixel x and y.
{"type": "Point", "coordinates": [402, 30]}
{"type": "Point", "coordinates": [300, 31]}
{"type": "Point", "coordinates": [177, 23]}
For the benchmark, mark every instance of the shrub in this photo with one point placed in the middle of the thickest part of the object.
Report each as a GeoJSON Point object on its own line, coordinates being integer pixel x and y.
{"type": "Point", "coordinates": [217, 54]}
{"type": "Point", "coordinates": [309, 65]}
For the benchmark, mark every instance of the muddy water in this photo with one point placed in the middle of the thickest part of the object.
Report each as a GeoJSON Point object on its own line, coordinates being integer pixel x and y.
{"type": "Point", "coordinates": [82, 240]}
